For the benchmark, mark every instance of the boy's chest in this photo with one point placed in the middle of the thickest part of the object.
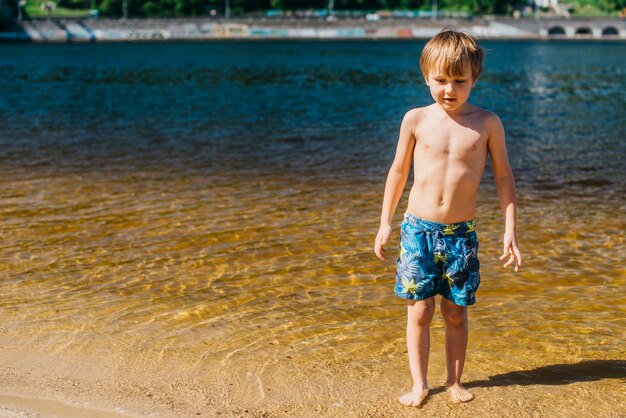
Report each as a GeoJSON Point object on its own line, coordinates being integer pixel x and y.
{"type": "Point", "coordinates": [460, 141]}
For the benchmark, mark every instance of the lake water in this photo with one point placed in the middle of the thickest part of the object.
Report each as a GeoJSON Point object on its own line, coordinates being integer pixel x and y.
{"type": "Point", "coordinates": [188, 228]}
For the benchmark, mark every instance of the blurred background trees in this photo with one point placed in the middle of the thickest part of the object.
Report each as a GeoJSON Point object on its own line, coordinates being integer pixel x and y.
{"type": "Point", "coordinates": [178, 8]}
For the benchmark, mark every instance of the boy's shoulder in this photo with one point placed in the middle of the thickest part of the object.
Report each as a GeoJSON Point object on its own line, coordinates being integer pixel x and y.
{"type": "Point", "coordinates": [417, 114]}
{"type": "Point", "coordinates": [489, 119]}
{"type": "Point", "coordinates": [485, 114]}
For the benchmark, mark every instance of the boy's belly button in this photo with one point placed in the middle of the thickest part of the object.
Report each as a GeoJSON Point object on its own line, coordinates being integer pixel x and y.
{"type": "Point", "coordinates": [441, 202]}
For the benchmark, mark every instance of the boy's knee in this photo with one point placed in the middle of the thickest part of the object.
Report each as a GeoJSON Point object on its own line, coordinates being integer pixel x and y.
{"type": "Point", "coordinates": [421, 312]}
{"type": "Point", "coordinates": [455, 318]}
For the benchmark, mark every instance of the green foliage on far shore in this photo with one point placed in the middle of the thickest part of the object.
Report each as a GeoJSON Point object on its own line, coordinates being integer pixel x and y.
{"type": "Point", "coordinates": [180, 8]}
{"type": "Point", "coordinates": [34, 8]}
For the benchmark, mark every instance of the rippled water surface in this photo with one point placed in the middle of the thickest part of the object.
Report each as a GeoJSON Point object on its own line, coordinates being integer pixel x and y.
{"type": "Point", "coordinates": [194, 223]}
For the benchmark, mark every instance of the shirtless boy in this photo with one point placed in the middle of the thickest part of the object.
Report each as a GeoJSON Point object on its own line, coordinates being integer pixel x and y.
{"type": "Point", "coordinates": [448, 143]}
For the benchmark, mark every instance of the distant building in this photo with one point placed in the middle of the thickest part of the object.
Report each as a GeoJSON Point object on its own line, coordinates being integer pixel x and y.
{"type": "Point", "coordinates": [553, 6]}
{"type": "Point", "coordinates": [547, 4]}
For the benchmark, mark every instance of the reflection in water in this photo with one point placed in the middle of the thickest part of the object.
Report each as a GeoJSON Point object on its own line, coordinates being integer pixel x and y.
{"type": "Point", "coordinates": [199, 219]}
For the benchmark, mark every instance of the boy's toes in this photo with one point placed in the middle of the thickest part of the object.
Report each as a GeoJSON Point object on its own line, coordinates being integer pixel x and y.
{"type": "Point", "coordinates": [413, 398]}
{"type": "Point", "coordinates": [464, 396]}
{"type": "Point", "coordinates": [407, 399]}
{"type": "Point", "coordinates": [459, 394]}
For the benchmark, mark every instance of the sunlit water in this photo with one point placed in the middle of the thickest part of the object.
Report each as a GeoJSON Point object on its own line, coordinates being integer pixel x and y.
{"type": "Point", "coordinates": [194, 224]}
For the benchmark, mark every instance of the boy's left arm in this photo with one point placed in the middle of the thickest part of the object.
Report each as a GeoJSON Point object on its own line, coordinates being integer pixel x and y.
{"type": "Point", "coordinates": [505, 185]}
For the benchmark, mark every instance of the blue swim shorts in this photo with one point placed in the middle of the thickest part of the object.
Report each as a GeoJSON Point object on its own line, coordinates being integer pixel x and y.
{"type": "Point", "coordinates": [438, 259]}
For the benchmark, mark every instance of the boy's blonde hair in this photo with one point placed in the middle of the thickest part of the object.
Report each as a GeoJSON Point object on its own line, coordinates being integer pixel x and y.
{"type": "Point", "coordinates": [450, 50]}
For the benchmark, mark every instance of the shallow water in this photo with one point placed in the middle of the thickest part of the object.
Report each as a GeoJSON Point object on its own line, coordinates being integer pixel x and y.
{"type": "Point", "coordinates": [190, 227]}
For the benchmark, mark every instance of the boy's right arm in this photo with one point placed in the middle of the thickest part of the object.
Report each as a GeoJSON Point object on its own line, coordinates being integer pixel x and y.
{"type": "Point", "coordinates": [396, 180]}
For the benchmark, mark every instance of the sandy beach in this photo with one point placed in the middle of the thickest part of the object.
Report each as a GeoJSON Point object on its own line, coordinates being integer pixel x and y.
{"type": "Point", "coordinates": [353, 390]}
{"type": "Point", "coordinates": [19, 406]}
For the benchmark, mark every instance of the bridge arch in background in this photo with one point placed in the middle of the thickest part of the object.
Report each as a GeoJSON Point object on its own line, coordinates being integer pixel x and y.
{"type": "Point", "coordinates": [610, 31]}
{"type": "Point", "coordinates": [583, 31]}
{"type": "Point", "coordinates": [556, 30]}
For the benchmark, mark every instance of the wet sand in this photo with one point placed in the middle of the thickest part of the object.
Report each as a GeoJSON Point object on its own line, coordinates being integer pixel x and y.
{"type": "Point", "coordinates": [19, 406]}
{"type": "Point", "coordinates": [565, 390]}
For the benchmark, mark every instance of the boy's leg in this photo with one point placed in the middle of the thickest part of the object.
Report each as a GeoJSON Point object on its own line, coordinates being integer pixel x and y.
{"type": "Point", "coordinates": [455, 317]}
{"type": "Point", "coordinates": [419, 315]}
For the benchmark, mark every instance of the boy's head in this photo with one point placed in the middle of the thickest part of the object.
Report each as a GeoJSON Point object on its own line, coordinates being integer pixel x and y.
{"type": "Point", "coordinates": [449, 52]}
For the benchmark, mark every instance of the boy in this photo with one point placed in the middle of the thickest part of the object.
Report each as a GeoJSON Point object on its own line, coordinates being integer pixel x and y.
{"type": "Point", "coordinates": [448, 143]}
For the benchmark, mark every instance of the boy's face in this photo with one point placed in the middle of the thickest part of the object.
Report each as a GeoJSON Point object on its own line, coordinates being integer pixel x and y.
{"type": "Point", "coordinates": [449, 92]}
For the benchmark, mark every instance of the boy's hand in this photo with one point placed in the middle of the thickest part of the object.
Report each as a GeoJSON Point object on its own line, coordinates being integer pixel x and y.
{"type": "Point", "coordinates": [512, 251]}
{"type": "Point", "coordinates": [381, 239]}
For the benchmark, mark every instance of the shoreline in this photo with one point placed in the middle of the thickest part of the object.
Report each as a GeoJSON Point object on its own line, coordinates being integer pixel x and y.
{"type": "Point", "coordinates": [18, 406]}
{"type": "Point", "coordinates": [233, 391]}
{"type": "Point", "coordinates": [198, 29]}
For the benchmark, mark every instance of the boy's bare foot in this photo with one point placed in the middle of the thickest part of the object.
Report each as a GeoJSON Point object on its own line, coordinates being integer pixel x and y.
{"type": "Point", "coordinates": [414, 398]}
{"type": "Point", "coordinates": [458, 393]}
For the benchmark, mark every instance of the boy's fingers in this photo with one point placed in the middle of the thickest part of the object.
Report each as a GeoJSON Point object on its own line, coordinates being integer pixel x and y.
{"type": "Point", "coordinates": [518, 255]}
{"type": "Point", "coordinates": [511, 251]}
{"type": "Point", "coordinates": [510, 261]}
{"type": "Point", "coordinates": [379, 250]}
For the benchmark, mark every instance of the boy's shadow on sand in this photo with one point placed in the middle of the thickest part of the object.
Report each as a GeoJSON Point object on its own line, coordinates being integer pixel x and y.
{"type": "Point", "coordinates": [557, 374]}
